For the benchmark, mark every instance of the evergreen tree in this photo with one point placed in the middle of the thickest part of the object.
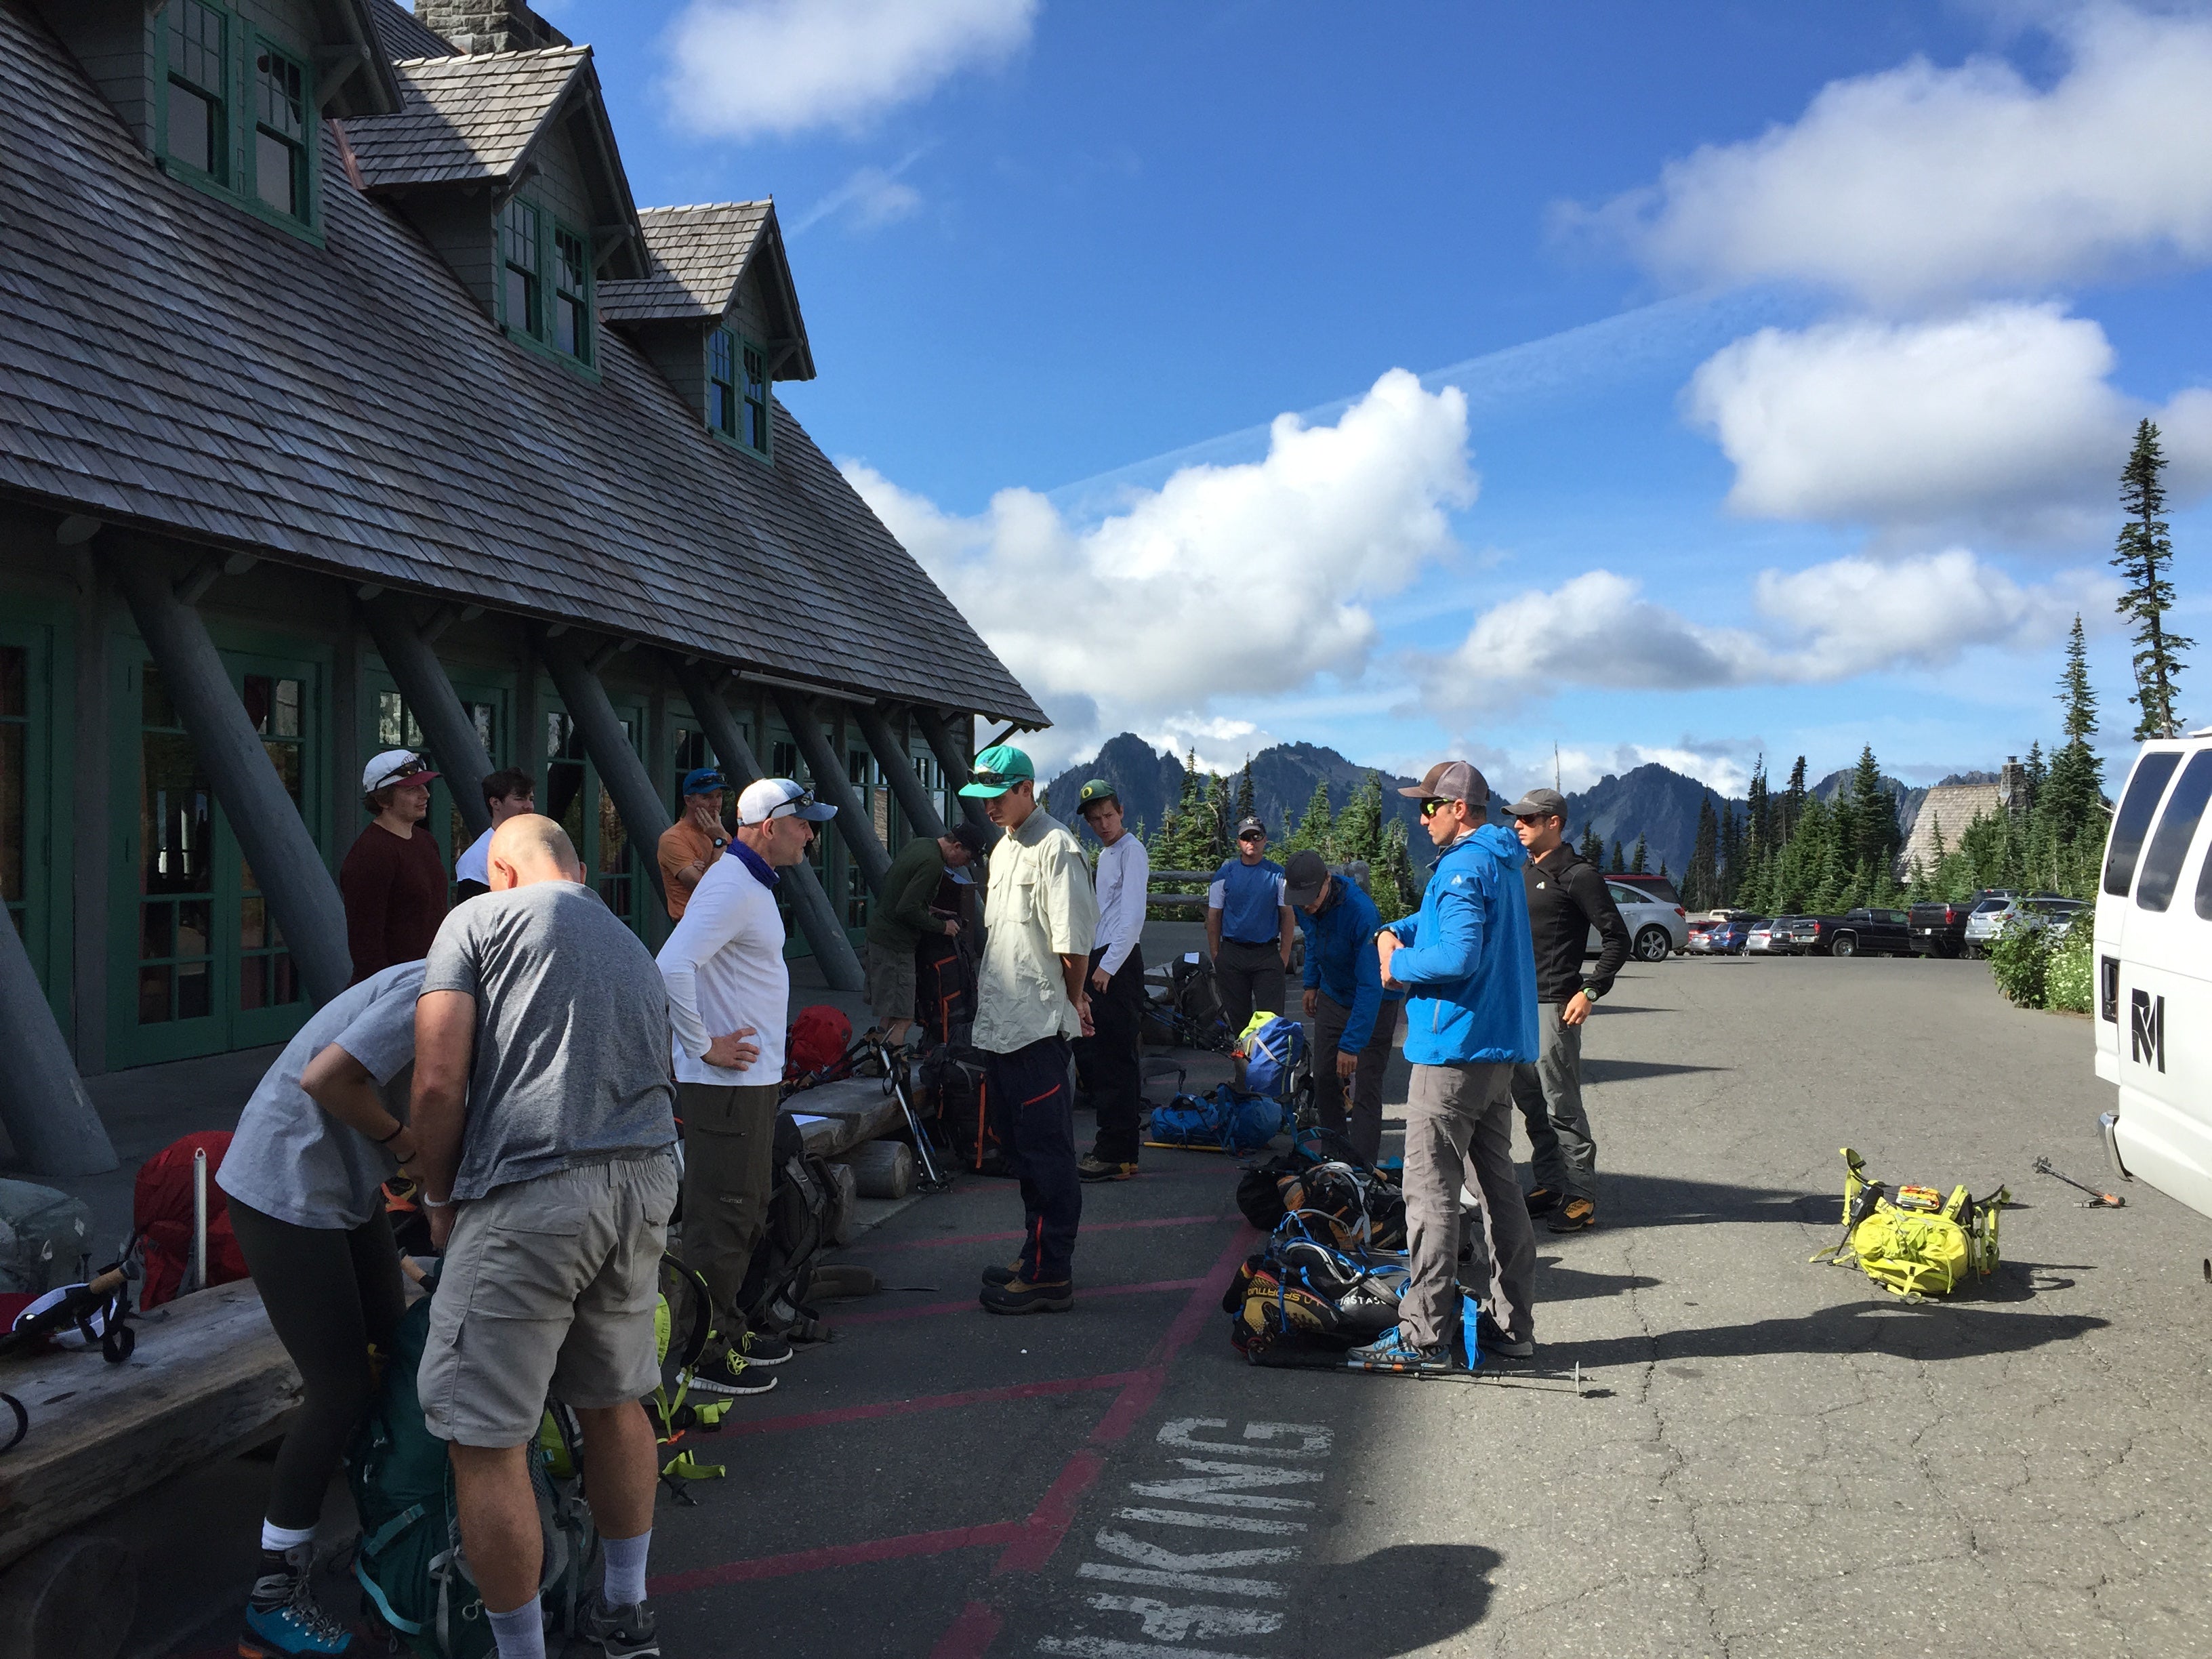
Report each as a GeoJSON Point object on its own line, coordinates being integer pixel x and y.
{"type": "Point", "coordinates": [1356, 833]}
{"type": "Point", "coordinates": [1701, 877]}
{"type": "Point", "coordinates": [1620, 865]}
{"type": "Point", "coordinates": [1758, 813]}
{"type": "Point", "coordinates": [1731, 853]}
{"type": "Point", "coordinates": [1397, 890]}
{"type": "Point", "coordinates": [1636, 860]}
{"type": "Point", "coordinates": [1875, 837]}
{"type": "Point", "coordinates": [1591, 847]}
{"type": "Point", "coordinates": [2144, 555]}
{"type": "Point", "coordinates": [2074, 694]}
{"type": "Point", "coordinates": [1216, 843]}
{"type": "Point", "coordinates": [1793, 804]}
{"type": "Point", "coordinates": [1245, 808]}
{"type": "Point", "coordinates": [2072, 797]}
{"type": "Point", "coordinates": [1312, 829]}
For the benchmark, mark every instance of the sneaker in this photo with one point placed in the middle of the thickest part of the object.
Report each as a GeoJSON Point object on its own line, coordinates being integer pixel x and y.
{"type": "Point", "coordinates": [759, 1348]}
{"type": "Point", "coordinates": [1573, 1216]}
{"type": "Point", "coordinates": [1006, 1274]}
{"type": "Point", "coordinates": [1491, 1340]}
{"type": "Point", "coordinates": [1020, 1296]}
{"type": "Point", "coordinates": [728, 1373]}
{"type": "Point", "coordinates": [282, 1619]}
{"type": "Point", "coordinates": [1541, 1199]}
{"type": "Point", "coordinates": [1091, 1167]}
{"type": "Point", "coordinates": [621, 1633]}
{"type": "Point", "coordinates": [1394, 1351]}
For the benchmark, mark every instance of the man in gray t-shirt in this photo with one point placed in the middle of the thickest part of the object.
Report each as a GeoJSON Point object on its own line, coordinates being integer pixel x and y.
{"type": "Point", "coordinates": [543, 1109]}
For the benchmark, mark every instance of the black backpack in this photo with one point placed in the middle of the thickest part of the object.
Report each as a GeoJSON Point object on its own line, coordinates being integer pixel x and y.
{"type": "Point", "coordinates": [952, 1097]}
{"type": "Point", "coordinates": [773, 1295]}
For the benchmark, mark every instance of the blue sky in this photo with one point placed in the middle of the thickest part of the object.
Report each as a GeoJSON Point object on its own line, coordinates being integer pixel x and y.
{"type": "Point", "coordinates": [1672, 383]}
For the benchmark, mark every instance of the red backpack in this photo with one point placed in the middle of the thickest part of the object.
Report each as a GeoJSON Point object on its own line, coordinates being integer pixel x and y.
{"type": "Point", "coordinates": [816, 1042]}
{"type": "Point", "coordinates": [162, 1218]}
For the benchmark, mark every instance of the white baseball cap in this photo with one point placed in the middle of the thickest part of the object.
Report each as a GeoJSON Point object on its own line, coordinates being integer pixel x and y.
{"type": "Point", "coordinates": [394, 766]}
{"type": "Point", "coordinates": [781, 798]}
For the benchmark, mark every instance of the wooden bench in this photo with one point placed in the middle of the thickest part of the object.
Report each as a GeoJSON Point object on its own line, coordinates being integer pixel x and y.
{"type": "Point", "coordinates": [851, 1114]}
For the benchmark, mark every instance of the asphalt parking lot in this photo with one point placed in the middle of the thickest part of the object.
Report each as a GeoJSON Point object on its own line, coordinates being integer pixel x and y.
{"type": "Point", "coordinates": [1765, 1456]}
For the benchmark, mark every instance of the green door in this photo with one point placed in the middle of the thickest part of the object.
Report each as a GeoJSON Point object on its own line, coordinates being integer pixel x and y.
{"type": "Point", "coordinates": [392, 724]}
{"type": "Point", "coordinates": [573, 796]}
{"type": "Point", "coordinates": [203, 965]}
{"type": "Point", "coordinates": [35, 852]}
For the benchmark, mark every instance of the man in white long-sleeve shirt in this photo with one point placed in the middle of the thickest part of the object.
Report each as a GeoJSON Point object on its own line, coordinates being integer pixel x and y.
{"type": "Point", "coordinates": [729, 994]}
{"type": "Point", "coordinates": [1117, 988]}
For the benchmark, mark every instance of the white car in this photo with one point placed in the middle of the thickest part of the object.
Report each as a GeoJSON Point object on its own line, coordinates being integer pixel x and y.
{"type": "Point", "coordinates": [1656, 930]}
{"type": "Point", "coordinates": [1992, 916]}
{"type": "Point", "coordinates": [1771, 938]}
{"type": "Point", "coordinates": [2153, 967]}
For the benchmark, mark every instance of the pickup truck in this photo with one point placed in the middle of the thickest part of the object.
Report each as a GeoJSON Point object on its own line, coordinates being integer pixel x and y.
{"type": "Point", "coordinates": [1855, 932]}
{"type": "Point", "coordinates": [1939, 926]}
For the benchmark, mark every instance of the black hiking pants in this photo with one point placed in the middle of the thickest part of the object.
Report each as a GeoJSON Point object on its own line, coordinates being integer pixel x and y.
{"type": "Point", "coordinates": [1028, 1091]}
{"type": "Point", "coordinates": [329, 1293]}
{"type": "Point", "coordinates": [1110, 1059]}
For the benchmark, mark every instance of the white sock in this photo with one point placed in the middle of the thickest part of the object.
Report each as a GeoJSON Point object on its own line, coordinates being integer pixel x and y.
{"type": "Point", "coordinates": [625, 1580]}
{"type": "Point", "coordinates": [274, 1537]}
{"type": "Point", "coordinates": [520, 1634]}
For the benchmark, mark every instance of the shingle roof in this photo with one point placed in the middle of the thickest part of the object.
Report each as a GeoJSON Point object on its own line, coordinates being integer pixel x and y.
{"type": "Point", "coordinates": [463, 118]}
{"type": "Point", "coordinates": [403, 35]}
{"type": "Point", "coordinates": [695, 255]}
{"type": "Point", "coordinates": [168, 360]}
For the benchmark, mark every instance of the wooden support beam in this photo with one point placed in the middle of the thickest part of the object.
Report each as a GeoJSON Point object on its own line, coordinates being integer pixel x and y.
{"type": "Point", "coordinates": [643, 818]}
{"type": "Point", "coordinates": [49, 1118]}
{"type": "Point", "coordinates": [956, 768]}
{"type": "Point", "coordinates": [830, 784]}
{"type": "Point", "coordinates": [286, 861]}
{"type": "Point", "coordinates": [817, 917]}
{"type": "Point", "coordinates": [898, 766]}
{"type": "Point", "coordinates": [211, 569]}
{"type": "Point", "coordinates": [452, 735]}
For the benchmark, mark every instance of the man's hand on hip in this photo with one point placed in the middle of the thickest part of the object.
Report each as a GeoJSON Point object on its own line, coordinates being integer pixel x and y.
{"type": "Point", "coordinates": [1576, 1010]}
{"type": "Point", "coordinates": [732, 1053]}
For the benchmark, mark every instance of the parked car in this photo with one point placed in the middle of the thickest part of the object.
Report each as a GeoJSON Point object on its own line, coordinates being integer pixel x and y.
{"type": "Point", "coordinates": [1992, 916]}
{"type": "Point", "coordinates": [1855, 932]}
{"type": "Point", "coordinates": [1770, 938]}
{"type": "Point", "coordinates": [2154, 973]}
{"type": "Point", "coordinates": [1656, 929]}
{"type": "Point", "coordinates": [1659, 887]}
{"type": "Point", "coordinates": [1939, 925]}
{"type": "Point", "coordinates": [1699, 926]}
{"type": "Point", "coordinates": [1728, 936]}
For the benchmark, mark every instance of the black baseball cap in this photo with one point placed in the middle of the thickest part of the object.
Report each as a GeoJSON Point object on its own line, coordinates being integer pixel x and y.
{"type": "Point", "coordinates": [1302, 877]}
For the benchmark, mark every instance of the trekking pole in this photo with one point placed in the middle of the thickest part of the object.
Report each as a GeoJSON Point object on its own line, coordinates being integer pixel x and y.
{"type": "Point", "coordinates": [2096, 1201]}
{"type": "Point", "coordinates": [199, 1219]}
{"type": "Point", "coordinates": [895, 1076]}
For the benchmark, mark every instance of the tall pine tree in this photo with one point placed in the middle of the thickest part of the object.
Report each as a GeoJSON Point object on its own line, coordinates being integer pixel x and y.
{"type": "Point", "coordinates": [1701, 877]}
{"type": "Point", "coordinates": [1637, 859]}
{"type": "Point", "coordinates": [1758, 813]}
{"type": "Point", "coordinates": [2073, 792]}
{"type": "Point", "coordinates": [1356, 833]}
{"type": "Point", "coordinates": [1620, 865]}
{"type": "Point", "coordinates": [1245, 807]}
{"type": "Point", "coordinates": [1793, 804]}
{"type": "Point", "coordinates": [1591, 847]}
{"type": "Point", "coordinates": [2144, 555]}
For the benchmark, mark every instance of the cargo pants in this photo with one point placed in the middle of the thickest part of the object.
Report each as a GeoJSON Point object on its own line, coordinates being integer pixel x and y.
{"type": "Point", "coordinates": [1457, 1116]}
{"type": "Point", "coordinates": [1562, 1154]}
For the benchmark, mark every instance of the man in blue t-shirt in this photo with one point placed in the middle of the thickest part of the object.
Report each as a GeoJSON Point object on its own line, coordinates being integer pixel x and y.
{"type": "Point", "coordinates": [1249, 928]}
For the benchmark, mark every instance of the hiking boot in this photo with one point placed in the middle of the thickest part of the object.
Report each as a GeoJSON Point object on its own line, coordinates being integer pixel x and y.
{"type": "Point", "coordinates": [759, 1348]}
{"type": "Point", "coordinates": [728, 1373]}
{"type": "Point", "coordinates": [282, 1619]}
{"type": "Point", "coordinates": [1091, 1167]}
{"type": "Point", "coordinates": [621, 1633]}
{"type": "Point", "coordinates": [1489, 1340]}
{"type": "Point", "coordinates": [1007, 1274]}
{"type": "Point", "coordinates": [1573, 1216]}
{"type": "Point", "coordinates": [1395, 1352]}
{"type": "Point", "coordinates": [1541, 1200]}
{"type": "Point", "coordinates": [1020, 1296]}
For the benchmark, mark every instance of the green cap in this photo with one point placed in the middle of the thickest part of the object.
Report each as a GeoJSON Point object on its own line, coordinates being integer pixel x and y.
{"type": "Point", "coordinates": [997, 769]}
{"type": "Point", "coordinates": [1096, 789]}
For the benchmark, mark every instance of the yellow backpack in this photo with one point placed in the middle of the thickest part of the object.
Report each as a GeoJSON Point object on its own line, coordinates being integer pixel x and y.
{"type": "Point", "coordinates": [1917, 1244]}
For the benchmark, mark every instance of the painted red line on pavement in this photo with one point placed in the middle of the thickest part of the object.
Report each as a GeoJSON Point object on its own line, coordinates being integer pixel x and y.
{"type": "Point", "coordinates": [1205, 1300]}
{"type": "Point", "coordinates": [1049, 1521]}
{"type": "Point", "coordinates": [1132, 1403]}
{"type": "Point", "coordinates": [971, 1633]}
{"type": "Point", "coordinates": [839, 1555]}
{"type": "Point", "coordinates": [969, 1304]}
{"type": "Point", "coordinates": [1012, 1234]}
{"type": "Point", "coordinates": [929, 1402]}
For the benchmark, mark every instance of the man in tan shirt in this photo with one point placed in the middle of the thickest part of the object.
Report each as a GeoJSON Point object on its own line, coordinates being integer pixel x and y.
{"type": "Point", "coordinates": [690, 847]}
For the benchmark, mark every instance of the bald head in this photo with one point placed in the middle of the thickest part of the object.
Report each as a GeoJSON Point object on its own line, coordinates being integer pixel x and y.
{"type": "Point", "coordinates": [530, 847]}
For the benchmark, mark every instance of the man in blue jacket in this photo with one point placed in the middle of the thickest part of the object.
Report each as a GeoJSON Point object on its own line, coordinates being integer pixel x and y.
{"type": "Point", "coordinates": [1354, 1019]}
{"type": "Point", "coordinates": [1470, 1017]}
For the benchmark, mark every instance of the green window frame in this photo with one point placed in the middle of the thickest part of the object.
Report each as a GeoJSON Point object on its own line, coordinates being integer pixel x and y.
{"type": "Point", "coordinates": [722, 382]}
{"type": "Point", "coordinates": [196, 89]}
{"type": "Point", "coordinates": [572, 294]}
{"type": "Point", "coordinates": [283, 89]}
{"type": "Point", "coordinates": [737, 390]}
{"type": "Point", "coordinates": [754, 361]}
{"type": "Point", "coordinates": [522, 265]}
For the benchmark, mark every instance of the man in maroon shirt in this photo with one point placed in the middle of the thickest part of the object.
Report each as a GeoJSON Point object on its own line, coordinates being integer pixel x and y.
{"type": "Point", "coordinates": [393, 880]}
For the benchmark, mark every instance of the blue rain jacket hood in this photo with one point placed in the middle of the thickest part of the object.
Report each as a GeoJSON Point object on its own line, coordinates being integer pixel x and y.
{"type": "Point", "coordinates": [1340, 962]}
{"type": "Point", "coordinates": [1466, 960]}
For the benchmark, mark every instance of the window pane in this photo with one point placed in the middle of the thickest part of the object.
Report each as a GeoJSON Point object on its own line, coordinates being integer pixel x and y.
{"type": "Point", "coordinates": [13, 778]}
{"type": "Point", "coordinates": [568, 325]}
{"type": "Point", "coordinates": [195, 44]}
{"type": "Point", "coordinates": [568, 262]}
{"type": "Point", "coordinates": [276, 174]}
{"type": "Point", "coordinates": [718, 363]}
{"type": "Point", "coordinates": [721, 408]}
{"type": "Point", "coordinates": [192, 128]}
{"type": "Point", "coordinates": [195, 998]}
{"type": "Point", "coordinates": [174, 822]}
{"type": "Point", "coordinates": [518, 235]}
{"type": "Point", "coordinates": [521, 300]}
{"type": "Point", "coordinates": [278, 100]}
{"type": "Point", "coordinates": [2177, 828]}
{"type": "Point", "coordinates": [153, 995]}
{"type": "Point", "coordinates": [2132, 822]}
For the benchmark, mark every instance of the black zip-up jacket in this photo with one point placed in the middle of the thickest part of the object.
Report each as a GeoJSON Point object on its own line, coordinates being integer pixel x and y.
{"type": "Point", "coordinates": [1567, 897]}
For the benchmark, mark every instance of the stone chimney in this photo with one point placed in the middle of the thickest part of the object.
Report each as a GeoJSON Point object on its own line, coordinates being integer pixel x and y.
{"type": "Point", "coordinates": [481, 25]}
{"type": "Point", "coordinates": [2013, 787]}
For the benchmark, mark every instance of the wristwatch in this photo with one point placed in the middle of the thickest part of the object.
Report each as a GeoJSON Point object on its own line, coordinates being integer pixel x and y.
{"type": "Point", "coordinates": [1592, 992]}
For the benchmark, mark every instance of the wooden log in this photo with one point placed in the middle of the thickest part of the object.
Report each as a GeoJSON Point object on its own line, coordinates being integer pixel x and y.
{"type": "Point", "coordinates": [853, 1112]}
{"type": "Point", "coordinates": [882, 1168]}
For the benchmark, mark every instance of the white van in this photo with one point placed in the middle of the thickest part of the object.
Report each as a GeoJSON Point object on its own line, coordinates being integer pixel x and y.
{"type": "Point", "coordinates": [2154, 949]}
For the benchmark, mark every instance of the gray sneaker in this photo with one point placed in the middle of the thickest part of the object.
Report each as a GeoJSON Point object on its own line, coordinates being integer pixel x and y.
{"type": "Point", "coordinates": [621, 1633]}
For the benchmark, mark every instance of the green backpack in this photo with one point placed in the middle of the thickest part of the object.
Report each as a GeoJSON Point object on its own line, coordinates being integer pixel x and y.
{"type": "Point", "coordinates": [414, 1579]}
{"type": "Point", "coordinates": [1924, 1246]}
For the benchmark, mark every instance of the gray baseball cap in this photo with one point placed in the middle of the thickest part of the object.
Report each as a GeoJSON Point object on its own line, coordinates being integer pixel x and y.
{"type": "Point", "coordinates": [1302, 877]}
{"type": "Point", "coordinates": [1451, 781]}
{"type": "Point", "coordinates": [1539, 803]}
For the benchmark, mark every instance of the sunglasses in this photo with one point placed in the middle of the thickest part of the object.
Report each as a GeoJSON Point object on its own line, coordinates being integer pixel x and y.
{"type": "Point", "coordinates": [1253, 835]}
{"type": "Point", "coordinates": [411, 769]}
{"type": "Point", "coordinates": [999, 779]}
{"type": "Point", "coordinates": [1433, 805]}
{"type": "Point", "coordinates": [793, 807]}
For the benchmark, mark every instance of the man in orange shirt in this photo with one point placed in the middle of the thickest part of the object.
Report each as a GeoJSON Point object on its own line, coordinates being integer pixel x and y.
{"type": "Point", "coordinates": [694, 842]}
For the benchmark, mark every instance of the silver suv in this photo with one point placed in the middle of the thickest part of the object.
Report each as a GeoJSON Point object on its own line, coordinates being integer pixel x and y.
{"type": "Point", "coordinates": [1993, 916]}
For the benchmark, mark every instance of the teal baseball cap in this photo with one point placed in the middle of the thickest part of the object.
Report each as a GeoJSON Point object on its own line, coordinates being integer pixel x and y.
{"type": "Point", "coordinates": [997, 770]}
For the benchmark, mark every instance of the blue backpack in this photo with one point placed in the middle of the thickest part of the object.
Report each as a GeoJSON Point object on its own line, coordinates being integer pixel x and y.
{"type": "Point", "coordinates": [1223, 1121]}
{"type": "Point", "coordinates": [1272, 1055]}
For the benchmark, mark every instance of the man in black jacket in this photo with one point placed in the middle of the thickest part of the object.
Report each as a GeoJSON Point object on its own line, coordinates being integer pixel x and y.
{"type": "Point", "coordinates": [1567, 897]}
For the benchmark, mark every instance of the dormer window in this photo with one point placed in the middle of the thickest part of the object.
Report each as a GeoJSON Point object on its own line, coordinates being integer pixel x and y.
{"type": "Point", "coordinates": [737, 390]}
{"type": "Point", "coordinates": [280, 132]}
{"type": "Point", "coordinates": [572, 295]}
{"type": "Point", "coordinates": [197, 130]}
{"type": "Point", "coordinates": [517, 248]}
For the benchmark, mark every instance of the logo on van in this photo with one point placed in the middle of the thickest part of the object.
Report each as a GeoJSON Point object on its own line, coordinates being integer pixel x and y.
{"type": "Point", "coordinates": [2147, 1028]}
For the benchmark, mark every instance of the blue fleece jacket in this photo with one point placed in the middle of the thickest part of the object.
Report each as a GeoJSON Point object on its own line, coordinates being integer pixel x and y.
{"type": "Point", "coordinates": [1467, 959]}
{"type": "Point", "coordinates": [1341, 961]}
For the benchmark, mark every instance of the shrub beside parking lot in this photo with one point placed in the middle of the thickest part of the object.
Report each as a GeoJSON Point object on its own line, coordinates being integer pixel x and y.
{"type": "Point", "coordinates": [2037, 972]}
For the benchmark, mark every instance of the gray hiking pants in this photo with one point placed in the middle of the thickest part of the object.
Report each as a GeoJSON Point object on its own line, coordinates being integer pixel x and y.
{"type": "Point", "coordinates": [1457, 1116]}
{"type": "Point", "coordinates": [1562, 1156]}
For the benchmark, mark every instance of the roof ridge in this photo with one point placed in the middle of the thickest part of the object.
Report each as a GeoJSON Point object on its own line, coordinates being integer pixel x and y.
{"type": "Point", "coordinates": [708, 207]}
{"type": "Point", "coordinates": [491, 57]}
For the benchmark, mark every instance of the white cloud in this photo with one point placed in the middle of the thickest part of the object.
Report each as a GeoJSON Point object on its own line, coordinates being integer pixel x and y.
{"type": "Point", "coordinates": [742, 69]}
{"type": "Point", "coordinates": [1226, 581]}
{"type": "Point", "coordinates": [1827, 623]}
{"type": "Point", "coordinates": [2004, 413]}
{"type": "Point", "coordinates": [1923, 183]}
{"type": "Point", "coordinates": [870, 196]}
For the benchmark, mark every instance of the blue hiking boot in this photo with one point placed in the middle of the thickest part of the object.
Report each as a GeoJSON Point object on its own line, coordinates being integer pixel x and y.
{"type": "Point", "coordinates": [282, 1619]}
{"type": "Point", "coordinates": [1395, 1352]}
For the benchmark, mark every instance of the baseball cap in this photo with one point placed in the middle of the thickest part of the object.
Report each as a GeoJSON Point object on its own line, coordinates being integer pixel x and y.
{"type": "Point", "coordinates": [1450, 780]}
{"type": "Point", "coordinates": [700, 780]}
{"type": "Point", "coordinates": [1250, 827]}
{"type": "Point", "coordinates": [969, 838]}
{"type": "Point", "coordinates": [1302, 877]}
{"type": "Point", "coordinates": [781, 798]}
{"type": "Point", "coordinates": [394, 766]}
{"type": "Point", "coordinates": [997, 770]}
{"type": "Point", "coordinates": [1096, 789]}
{"type": "Point", "coordinates": [1539, 803]}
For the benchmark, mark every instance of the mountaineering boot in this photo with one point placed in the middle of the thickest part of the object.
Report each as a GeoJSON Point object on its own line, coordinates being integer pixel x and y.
{"type": "Point", "coordinates": [281, 1619]}
{"type": "Point", "coordinates": [997, 1274]}
{"type": "Point", "coordinates": [1542, 1201]}
{"type": "Point", "coordinates": [1573, 1216]}
{"type": "Point", "coordinates": [621, 1633]}
{"type": "Point", "coordinates": [759, 1348]}
{"type": "Point", "coordinates": [1491, 1340]}
{"type": "Point", "coordinates": [728, 1373]}
{"type": "Point", "coordinates": [1091, 1167]}
{"type": "Point", "coordinates": [1395, 1352]}
{"type": "Point", "coordinates": [1020, 1296]}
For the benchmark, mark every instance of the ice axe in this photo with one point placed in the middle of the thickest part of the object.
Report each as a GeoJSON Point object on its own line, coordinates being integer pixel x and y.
{"type": "Point", "coordinates": [2096, 1201]}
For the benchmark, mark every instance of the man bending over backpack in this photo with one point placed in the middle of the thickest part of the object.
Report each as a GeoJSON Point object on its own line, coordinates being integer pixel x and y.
{"type": "Point", "coordinates": [543, 1110]}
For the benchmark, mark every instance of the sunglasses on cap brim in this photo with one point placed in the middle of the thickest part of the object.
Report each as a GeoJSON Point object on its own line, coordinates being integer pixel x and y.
{"type": "Point", "coordinates": [999, 779]}
{"type": "Point", "coordinates": [414, 768]}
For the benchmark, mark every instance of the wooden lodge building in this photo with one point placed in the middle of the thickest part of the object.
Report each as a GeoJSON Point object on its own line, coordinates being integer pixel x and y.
{"type": "Point", "coordinates": [347, 401]}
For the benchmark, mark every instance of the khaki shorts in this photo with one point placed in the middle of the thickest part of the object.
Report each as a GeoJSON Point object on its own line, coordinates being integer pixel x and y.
{"type": "Point", "coordinates": [890, 983]}
{"type": "Point", "coordinates": [548, 1288]}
